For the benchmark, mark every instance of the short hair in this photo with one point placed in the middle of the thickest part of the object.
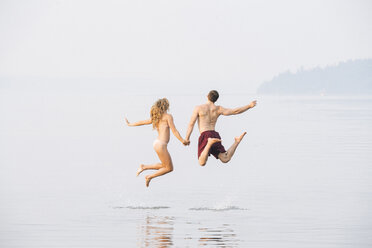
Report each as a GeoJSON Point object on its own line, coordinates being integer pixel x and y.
{"type": "Point", "coordinates": [213, 95]}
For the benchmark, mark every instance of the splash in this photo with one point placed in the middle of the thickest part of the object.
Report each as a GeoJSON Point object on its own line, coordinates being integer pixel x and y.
{"type": "Point", "coordinates": [141, 207]}
{"type": "Point", "coordinates": [223, 208]}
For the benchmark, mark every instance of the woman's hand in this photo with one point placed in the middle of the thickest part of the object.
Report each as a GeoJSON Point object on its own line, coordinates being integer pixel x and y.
{"type": "Point", "coordinates": [186, 142]}
{"type": "Point", "coordinates": [138, 123]}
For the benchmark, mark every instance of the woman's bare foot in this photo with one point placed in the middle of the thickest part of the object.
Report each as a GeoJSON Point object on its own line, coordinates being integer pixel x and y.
{"type": "Point", "coordinates": [148, 179]}
{"type": "Point", "coordinates": [238, 139]}
{"type": "Point", "coordinates": [211, 141]}
{"type": "Point", "coordinates": [140, 169]}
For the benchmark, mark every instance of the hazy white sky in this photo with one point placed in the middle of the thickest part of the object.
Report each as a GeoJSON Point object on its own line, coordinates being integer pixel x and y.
{"type": "Point", "coordinates": [192, 41]}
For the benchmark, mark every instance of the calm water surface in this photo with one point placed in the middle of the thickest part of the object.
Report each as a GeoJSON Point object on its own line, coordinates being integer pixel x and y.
{"type": "Point", "coordinates": [302, 177]}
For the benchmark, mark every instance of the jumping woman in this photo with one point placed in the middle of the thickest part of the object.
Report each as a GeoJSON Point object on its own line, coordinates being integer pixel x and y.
{"type": "Point", "coordinates": [161, 121]}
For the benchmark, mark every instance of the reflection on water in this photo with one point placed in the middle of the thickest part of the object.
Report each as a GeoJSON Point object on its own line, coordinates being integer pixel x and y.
{"type": "Point", "coordinates": [222, 236]}
{"type": "Point", "coordinates": [156, 231]}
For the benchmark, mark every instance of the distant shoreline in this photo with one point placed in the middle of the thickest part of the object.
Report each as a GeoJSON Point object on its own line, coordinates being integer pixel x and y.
{"type": "Point", "coordinates": [346, 78]}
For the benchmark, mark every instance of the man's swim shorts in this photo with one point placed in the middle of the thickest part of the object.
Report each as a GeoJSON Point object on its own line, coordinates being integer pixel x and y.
{"type": "Point", "coordinates": [216, 148]}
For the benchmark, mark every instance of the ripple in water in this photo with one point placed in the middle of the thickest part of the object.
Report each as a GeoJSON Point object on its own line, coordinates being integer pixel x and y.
{"type": "Point", "coordinates": [226, 208]}
{"type": "Point", "coordinates": [141, 207]}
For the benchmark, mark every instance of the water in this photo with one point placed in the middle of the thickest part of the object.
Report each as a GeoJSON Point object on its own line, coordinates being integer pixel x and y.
{"type": "Point", "coordinates": [302, 177]}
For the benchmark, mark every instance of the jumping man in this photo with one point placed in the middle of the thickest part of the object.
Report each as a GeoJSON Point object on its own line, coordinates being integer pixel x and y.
{"type": "Point", "coordinates": [209, 140]}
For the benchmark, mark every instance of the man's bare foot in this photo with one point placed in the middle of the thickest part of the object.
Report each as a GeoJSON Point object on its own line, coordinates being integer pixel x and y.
{"type": "Point", "coordinates": [238, 139]}
{"type": "Point", "coordinates": [211, 141]}
{"type": "Point", "coordinates": [140, 169]}
{"type": "Point", "coordinates": [148, 179]}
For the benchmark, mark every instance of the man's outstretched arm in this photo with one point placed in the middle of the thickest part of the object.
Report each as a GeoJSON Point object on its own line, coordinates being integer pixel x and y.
{"type": "Point", "coordinates": [194, 117]}
{"type": "Point", "coordinates": [235, 111]}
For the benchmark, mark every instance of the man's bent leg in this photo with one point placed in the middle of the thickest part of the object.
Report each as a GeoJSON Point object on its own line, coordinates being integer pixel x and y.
{"type": "Point", "coordinates": [204, 155]}
{"type": "Point", "coordinates": [226, 156]}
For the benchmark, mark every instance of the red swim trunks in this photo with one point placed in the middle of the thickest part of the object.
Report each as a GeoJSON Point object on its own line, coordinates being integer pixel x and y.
{"type": "Point", "coordinates": [216, 148]}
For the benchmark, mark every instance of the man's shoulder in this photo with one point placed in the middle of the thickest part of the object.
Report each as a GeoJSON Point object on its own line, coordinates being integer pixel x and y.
{"type": "Point", "coordinates": [204, 108]}
{"type": "Point", "coordinates": [198, 107]}
{"type": "Point", "coordinates": [204, 105]}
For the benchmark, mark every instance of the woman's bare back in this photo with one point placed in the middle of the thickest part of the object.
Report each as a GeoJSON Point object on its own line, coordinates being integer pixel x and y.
{"type": "Point", "coordinates": [163, 129]}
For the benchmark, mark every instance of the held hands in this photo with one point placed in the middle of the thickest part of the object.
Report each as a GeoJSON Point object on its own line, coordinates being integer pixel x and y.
{"type": "Point", "coordinates": [252, 104]}
{"type": "Point", "coordinates": [186, 142]}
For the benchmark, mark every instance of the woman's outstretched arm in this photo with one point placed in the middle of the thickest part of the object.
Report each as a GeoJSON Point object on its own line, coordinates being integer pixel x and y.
{"type": "Point", "coordinates": [175, 131]}
{"type": "Point", "coordinates": [139, 123]}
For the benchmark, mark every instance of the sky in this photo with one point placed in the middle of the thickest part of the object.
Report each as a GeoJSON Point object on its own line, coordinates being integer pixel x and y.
{"type": "Point", "coordinates": [232, 43]}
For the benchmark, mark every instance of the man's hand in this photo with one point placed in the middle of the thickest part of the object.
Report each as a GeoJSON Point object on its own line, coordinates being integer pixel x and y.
{"type": "Point", "coordinates": [126, 120]}
{"type": "Point", "coordinates": [186, 142]}
{"type": "Point", "coordinates": [253, 104]}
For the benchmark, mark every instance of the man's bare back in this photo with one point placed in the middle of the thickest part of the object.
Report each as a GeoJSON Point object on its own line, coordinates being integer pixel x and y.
{"type": "Point", "coordinates": [209, 141]}
{"type": "Point", "coordinates": [207, 116]}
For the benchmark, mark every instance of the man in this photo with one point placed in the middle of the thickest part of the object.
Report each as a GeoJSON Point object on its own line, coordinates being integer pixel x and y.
{"type": "Point", "coordinates": [209, 140]}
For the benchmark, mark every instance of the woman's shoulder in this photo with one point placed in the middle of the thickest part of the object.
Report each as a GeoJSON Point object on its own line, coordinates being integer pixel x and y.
{"type": "Point", "coordinates": [167, 116]}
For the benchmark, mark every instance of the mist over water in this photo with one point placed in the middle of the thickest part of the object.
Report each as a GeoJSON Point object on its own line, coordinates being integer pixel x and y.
{"type": "Point", "coordinates": [302, 176]}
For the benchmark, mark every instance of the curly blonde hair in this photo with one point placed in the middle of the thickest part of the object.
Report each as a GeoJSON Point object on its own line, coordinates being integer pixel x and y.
{"type": "Point", "coordinates": [157, 110]}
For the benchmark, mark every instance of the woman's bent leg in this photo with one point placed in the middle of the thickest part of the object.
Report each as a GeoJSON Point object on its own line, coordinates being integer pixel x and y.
{"type": "Point", "coordinates": [149, 167]}
{"type": "Point", "coordinates": [166, 163]}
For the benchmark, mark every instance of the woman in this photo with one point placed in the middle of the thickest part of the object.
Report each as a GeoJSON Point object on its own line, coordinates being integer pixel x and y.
{"type": "Point", "coordinates": [161, 121]}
